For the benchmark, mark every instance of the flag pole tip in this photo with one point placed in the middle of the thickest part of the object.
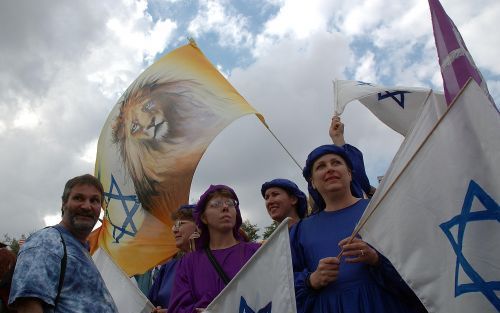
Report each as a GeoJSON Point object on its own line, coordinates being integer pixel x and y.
{"type": "Point", "coordinates": [192, 42]}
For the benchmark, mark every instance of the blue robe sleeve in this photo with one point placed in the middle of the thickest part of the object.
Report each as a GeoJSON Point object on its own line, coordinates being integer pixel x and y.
{"type": "Point", "coordinates": [304, 295]}
{"type": "Point", "coordinates": [360, 182]}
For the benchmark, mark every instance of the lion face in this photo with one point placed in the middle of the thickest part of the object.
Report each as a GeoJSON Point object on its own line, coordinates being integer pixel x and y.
{"type": "Point", "coordinates": [145, 121]}
{"type": "Point", "coordinates": [161, 131]}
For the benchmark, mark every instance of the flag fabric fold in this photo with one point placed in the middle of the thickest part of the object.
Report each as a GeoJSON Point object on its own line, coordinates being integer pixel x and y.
{"type": "Point", "coordinates": [397, 107]}
{"type": "Point", "coordinates": [149, 148]}
{"type": "Point", "coordinates": [456, 63]}
{"type": "Point", "coordinates": [265, 283]}
{"type": "Point", "coordinates": [127, 296]}
{"type": "Point", "coordinates": [436, 215]}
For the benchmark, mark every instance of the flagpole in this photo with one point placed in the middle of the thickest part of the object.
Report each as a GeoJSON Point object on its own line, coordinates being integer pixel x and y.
{"type": "Point", "coordinates": [335, 98]}
{"type": "Point", "coordinates": [288, 152]}
{"type": "Point", "coordinates": [363, 223]}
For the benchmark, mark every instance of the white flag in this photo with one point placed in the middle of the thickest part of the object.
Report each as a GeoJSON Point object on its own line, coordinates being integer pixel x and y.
{"type": "Point", "coordinates": [265, 283]}
{"type": "Point", "coordinates": [397, 107]}
{"type": "Point", "coordinates": [436, 215]}
{"type": "Point", "coordinates": [128, 298]}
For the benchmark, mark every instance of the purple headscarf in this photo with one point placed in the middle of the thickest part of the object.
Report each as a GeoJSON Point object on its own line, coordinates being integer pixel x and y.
{"type": "Point", "coordinates": [204, 239]}
{"type": "Point", "coordinates": [317, 153]}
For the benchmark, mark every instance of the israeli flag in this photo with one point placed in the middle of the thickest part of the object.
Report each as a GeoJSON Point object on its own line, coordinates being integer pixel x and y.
{"type": "Point", "coordinates": [127, 296]}
{"type": "Point", "coordinates": [397, 107]}
{"type": "Point", "coordinates": [265, 283]}
{"type": "Point", "coordinates": [436, 214]}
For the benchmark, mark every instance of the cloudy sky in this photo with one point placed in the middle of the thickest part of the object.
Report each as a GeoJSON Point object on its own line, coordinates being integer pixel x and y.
{"type": "Point", "coordinates": [64, 65]}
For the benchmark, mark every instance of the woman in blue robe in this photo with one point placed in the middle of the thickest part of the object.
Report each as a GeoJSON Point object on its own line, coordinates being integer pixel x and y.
{"type": "Point", "coordinates": [361, 280]}
{"type": "Point", "coordinates": [184, 231]}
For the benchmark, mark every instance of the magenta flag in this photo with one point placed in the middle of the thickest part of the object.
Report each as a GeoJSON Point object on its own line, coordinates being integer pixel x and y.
{"type": "Point", "coordinates": [455, 60]}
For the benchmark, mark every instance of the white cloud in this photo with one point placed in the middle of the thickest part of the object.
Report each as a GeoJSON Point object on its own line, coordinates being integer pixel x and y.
{"type": "Point", "coordinates": [67, 64]}
{"type": "Point", "coordinates": [231, 28]}
{"type": "Point", "coordinates": [90, 152]}
{"type": "Point", "coordinates": [62, 76]}
{"type": "Point", "coordinates": [50, 220]}
{"type": "Point", "coordinates": [366, 68]}
{"type": "Point", "coordinates": [26, 119]}
{"type": "Point", "coordinates": [295, 20]}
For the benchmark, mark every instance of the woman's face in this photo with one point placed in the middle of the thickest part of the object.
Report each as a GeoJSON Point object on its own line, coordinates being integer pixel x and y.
{"type": "Point", "coordinates": [279, 203]}
{"type": "Point", "coordinates": [330, 173]}
{"type": "Point", "coordinates": [220, 214]}
{"type": "Point", "coordinates": [182, 230]}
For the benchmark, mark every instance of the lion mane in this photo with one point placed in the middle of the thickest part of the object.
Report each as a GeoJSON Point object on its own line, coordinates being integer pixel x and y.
{"type": "Point", "coordinates": [162, 129]}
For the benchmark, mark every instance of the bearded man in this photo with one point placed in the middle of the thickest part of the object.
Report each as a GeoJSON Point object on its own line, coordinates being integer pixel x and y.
{"type": "Point", "coordinates": [54, 270]}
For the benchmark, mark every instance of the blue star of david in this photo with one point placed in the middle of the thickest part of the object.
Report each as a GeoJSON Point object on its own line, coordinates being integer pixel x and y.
{"type": "Point", "coordinates": [492, 213]}
{"type": "Point", "coordinates": [360, 83]}
{"type": "Point", "coordinates": [244, 308]}
{"type": "Point", "coordinates": [392, 95]}
{"type": "Point", "coordinates": [120, 231]}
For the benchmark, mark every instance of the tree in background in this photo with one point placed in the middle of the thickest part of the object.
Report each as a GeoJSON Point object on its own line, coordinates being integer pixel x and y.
{"type": "Point", "coordinates": [251, 230]}
{"type": "Point", "coordinates": [269, 230]}
{"type": "Point", "coordinates": [13, 243]}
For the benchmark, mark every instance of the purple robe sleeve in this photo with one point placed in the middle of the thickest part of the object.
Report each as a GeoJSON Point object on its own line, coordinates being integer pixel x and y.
{"type": "Point", "coordinates": [181, 300]}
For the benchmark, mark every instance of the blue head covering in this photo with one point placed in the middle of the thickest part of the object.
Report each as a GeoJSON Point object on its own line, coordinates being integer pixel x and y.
{"type": "Point", "coordinates": [291, 188]}
{"type": "Point", "coordinates": [319, 203]}
{"type": "Point", "coordinates": [204, 239]}
{"type": "Point", "coordinates": [183, 210]}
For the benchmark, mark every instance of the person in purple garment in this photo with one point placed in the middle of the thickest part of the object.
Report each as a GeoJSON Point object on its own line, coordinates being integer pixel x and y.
{"type": "Point", "coordinates": [361, 279]}
{"type": "Point", "coordinates": [184, 231]}
{"type": "Point", "coordinates": [197, 282]}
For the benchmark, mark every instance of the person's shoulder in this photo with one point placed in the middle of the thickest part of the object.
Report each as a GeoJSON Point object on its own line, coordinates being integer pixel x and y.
{"type": "Point", "coordinates": [310, 218]}
{"type": "Point", "coordinates": [253, 246]}
{"type": "Point", "coordinates": [43, 242]}
{"type": "Point", "coordinates": [47, 237]}
{"type": "Point", "coordinates": [190, 257]}
{"type": "Point", "coordinates": [362, 203]}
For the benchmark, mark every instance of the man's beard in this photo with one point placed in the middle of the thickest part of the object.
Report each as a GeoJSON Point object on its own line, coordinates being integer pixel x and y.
{"type": "Point", "coordinates": [81, 225]}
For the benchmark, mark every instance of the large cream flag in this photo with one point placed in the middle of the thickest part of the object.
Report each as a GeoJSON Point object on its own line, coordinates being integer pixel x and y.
{"type": "Point", "coordinates": [436, 215]}
{"type": "Point", "coordinates": [149, 148]}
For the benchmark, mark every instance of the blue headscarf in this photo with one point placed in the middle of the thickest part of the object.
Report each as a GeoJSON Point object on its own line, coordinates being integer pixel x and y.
{"type": "Point", "coordinates": [291, 188]}
{"type": "Point", "coordinates": [204, 239]}
{"type": "Point", "coordinates": [319, 203]}
{"type": "Point", "coordinates": [185, 208]}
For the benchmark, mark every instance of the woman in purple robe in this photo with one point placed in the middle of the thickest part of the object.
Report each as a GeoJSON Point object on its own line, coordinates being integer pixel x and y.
{"type": "Point", "coordinates": [197, 282]}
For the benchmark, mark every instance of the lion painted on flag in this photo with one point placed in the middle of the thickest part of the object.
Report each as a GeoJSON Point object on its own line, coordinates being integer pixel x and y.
{"type": "Point", "coordinates": [149, 148]}
{"type": "Point", "coordinates": [161, 132]}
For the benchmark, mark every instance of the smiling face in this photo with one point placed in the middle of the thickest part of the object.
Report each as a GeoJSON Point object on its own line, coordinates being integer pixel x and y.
{"type": "Point", "coordinates": [331, 174]}
{"type": "Point", "coordinates": [279, 203]}
{"type": "Point", "coordinates": [81, 209]}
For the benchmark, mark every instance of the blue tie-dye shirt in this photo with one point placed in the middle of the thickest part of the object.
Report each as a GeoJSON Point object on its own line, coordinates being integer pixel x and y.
{"type": "Point", "coordinates": [37, 275]}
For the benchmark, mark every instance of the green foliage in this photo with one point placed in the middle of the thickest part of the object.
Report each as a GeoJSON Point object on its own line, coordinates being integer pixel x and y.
{"type": "Point", "coordinates": [269, 230]}
{"type": "Point", "coordinates": [251, 230]}
{"type": "Point", "coordinates": [12, 242]}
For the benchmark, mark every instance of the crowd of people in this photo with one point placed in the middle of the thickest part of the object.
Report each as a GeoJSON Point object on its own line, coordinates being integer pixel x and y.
{"type": "Point", "coordinates": [332, 271]}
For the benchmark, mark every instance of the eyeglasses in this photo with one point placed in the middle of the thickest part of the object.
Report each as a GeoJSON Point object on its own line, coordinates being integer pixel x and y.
{"type": "Point", "coordinates": [178, 223]}
{"type": "Point", "coordinates": [217, 204]}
